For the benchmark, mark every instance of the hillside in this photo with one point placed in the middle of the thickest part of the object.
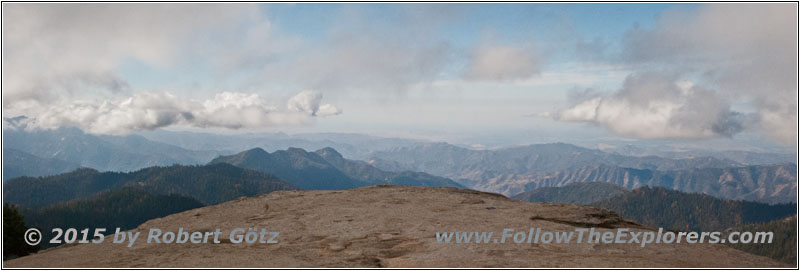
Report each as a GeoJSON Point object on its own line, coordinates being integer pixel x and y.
{"type": "Point", "coordinates": [210, 184]}
{"type": "Point", "coordinates": [767, 183]}
{"type": "Point", "coordinates": [324, 169]}
{"type": "Point", "coordinates": [387, 226]}
{"type": "Point", "coordinates": [576, 193]}
{"type": "Point", "coordinates": [661, 207]}
{"type": "Point", "coordinates": [18, 163]}
{"type": "Point", "coordinates": [125, 208]}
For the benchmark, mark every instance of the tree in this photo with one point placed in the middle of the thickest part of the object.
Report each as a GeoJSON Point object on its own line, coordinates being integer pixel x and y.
{"type": "Point", "coordinates": [14, 228]}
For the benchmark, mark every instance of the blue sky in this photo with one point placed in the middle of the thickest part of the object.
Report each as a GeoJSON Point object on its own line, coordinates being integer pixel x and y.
{"type": "Point", "coordinates": [481, 73]}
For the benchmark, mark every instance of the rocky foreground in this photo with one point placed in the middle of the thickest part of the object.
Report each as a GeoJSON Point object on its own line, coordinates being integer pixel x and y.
{"type": "Point", "coordinates": [386, 226]}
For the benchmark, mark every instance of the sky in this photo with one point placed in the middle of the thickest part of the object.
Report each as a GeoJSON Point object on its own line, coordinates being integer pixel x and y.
{"type": "Point", "coordinates": [481, 74]}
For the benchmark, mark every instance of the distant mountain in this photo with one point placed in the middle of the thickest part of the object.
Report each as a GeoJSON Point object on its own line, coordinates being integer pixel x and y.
{"type": "Point", "coordinates": [356, 146]}
{"type": "Point", "coordinates": [576, 193]}
{"type": "Point", "coordinates": [125, 208]}
{"type": "Point", "coordinates": [770, 184]}
{"type": "Point", "coordinates": [18, 163]}
{"type": "Point", "coordinates": [739, 156]}
{"type": "Point", "coordinates": [209, 184]}
{"type": "Point", "coordinates": [662, 207]}
{"type": "Point", "coordinates": [784, 244]}
{"type": "Point", "coordinates": [755, 158]}
{"type": "Point", "coordinates": [325, 169]}
{"type": "Point", "coordinates": [473, 166]}
{"type": "Point", "coordinates": [105, 153]}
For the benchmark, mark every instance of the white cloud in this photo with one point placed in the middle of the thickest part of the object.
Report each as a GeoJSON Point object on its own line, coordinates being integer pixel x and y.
{"type": "Point", "coordinates": [654, 106]}
{"type": "Point", "coordinates": [309, 102]}
{"type": "Point", "coordinates": [147, 111]}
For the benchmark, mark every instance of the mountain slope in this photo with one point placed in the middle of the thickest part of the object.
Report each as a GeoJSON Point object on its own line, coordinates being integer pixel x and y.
{"type": "Point", "coordinates": [784, 245]}
{"type": "Point", "coordinates": [661, 207]}
{"type": "Point", "coordinates": [768, 183]}
{"type": "Point", "coordinates": [18, 163]}
{"type": "Point", "coordinates": [388, 226]}
{"type": "Point", "coordinates": [576, 193]}
{"type": "Point", "coordinates": [209, 184]}
{"type": "Point", "coordinates": [298, 167]}
{"type": "Point", "coordinates": [125, 208]}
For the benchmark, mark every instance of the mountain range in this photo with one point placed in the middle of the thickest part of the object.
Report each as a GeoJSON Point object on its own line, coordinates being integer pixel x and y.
{"type": "Point", "coordinates": [508, 171]}
{"type": "Point", "coordinates": [764, 183]}
{"type": "Point", "coordinates": [511, 171]}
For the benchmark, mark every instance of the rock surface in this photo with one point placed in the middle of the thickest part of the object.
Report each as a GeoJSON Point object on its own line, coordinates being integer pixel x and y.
{"type": "Point", "coordinates": [386, 226]}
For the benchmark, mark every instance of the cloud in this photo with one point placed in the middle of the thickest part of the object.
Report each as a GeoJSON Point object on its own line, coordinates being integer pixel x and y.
{"type": "Point", "coordinates": [503, 63]}
{"type": "Point", "coordinates": [651, 105]}
{"type": "Point", "coordinates": [148, 111]}
{"type": "Point", "coordinates": [743, 51]}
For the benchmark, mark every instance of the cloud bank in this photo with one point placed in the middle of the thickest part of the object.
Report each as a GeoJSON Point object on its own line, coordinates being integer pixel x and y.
{"type": "Point", "coordinates": [149, 110]}
{"type": "Point", "coordinates": [731, 52]}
